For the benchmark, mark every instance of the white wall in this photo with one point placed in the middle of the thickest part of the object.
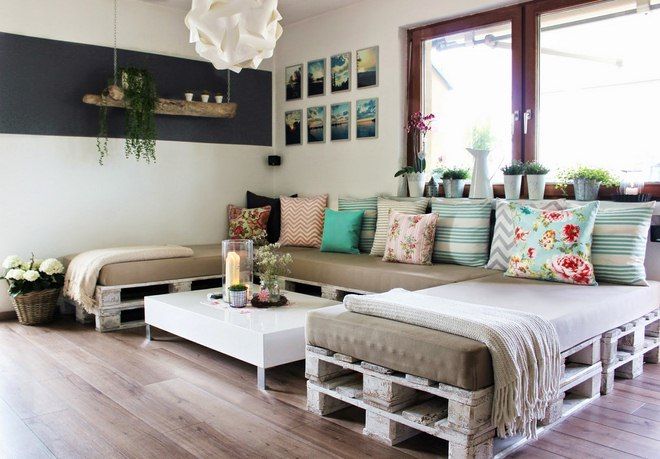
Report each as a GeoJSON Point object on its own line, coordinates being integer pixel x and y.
{"type": "Point", "coordinates": [55, 198]}
{"type": "Point", "coordinates": [357, 167]}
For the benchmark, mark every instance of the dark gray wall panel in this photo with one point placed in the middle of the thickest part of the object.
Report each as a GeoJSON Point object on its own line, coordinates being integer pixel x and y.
{"type": "Point", "coordinates": [42, 83]}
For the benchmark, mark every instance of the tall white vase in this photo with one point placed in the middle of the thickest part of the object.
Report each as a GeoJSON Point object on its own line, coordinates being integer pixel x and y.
{"type": "Point", "coordinates": [480, 186]}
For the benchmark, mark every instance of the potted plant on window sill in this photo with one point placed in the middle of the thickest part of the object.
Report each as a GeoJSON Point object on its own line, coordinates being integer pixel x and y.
{"type": "Point", "coordinates": [536, 174]}
{"type": "Point", "coordinates": [453, 181]}
{"type": "Point", "coordinates": [418, 126]}
{"type": "Point", "coordinates": [513, 179]}
{"type": "Point", "coordinates": [586, 181]}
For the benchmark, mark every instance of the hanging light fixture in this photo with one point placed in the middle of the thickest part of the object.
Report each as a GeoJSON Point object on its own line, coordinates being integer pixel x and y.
{"type": "Point", "coordinates": [234, 34]}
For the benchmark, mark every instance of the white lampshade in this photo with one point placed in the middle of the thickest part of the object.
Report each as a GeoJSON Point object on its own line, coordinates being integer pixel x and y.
{"type": "Point", "coordinates": [234, 34]}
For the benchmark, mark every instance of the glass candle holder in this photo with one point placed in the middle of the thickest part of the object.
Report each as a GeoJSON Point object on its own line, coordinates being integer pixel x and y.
{"type": "Point", "coordinates": [632, 183]}
{"type": "Point", "coordinates": [237, 264]}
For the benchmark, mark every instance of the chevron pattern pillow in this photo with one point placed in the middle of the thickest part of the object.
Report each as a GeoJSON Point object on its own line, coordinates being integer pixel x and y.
{"type": "Point", "coordinates": [302, 221]}
{"type": "Point", "coordinates": [382, 222]}
{"type": "Point", "coordinates": [370, 208]}
{"type": "Point", "coordinates": [502, 244]}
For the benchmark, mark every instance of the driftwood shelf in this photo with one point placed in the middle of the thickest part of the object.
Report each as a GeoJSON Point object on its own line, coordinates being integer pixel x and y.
{"type": "Point", "coordinates": [173, 107]}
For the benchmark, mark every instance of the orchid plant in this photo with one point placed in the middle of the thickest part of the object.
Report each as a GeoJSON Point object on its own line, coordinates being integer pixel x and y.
{"type": "Point", "coordinates": [418, 126]}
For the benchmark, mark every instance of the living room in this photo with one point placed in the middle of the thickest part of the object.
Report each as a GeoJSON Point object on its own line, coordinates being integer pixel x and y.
{"type": "Point", "coordinates": [414, 161]}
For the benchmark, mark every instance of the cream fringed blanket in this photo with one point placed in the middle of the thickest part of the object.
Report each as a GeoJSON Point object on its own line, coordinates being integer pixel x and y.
{"type": "Point", "coordinates": [83, 271]}
{"type": "Point", "coordinates": [524, 349]}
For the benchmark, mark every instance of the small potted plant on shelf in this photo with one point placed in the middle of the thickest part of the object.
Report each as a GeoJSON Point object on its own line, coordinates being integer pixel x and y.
{"type": "Point", "coordinates": [418, 126]}
{"type": "Point", "coordinates": [34, 287]}
{"type": "Point", "coordinates": [271, 266]}
{"type": "Point", "coordinates": [205, 96]}
{"type": "Point", "coordinates": [536, 174]}
{"type": "Point", "coordinates": [189, 95]}
{"type": "Point", "coordinates": [218, 97]}
{"type": "Point", "coordinates": [586, 181]}
{"type": "Point", "coordinates": [237, 295]}
{"type": "Point", "coordinates": [513, 179]}
{"type": "Point", "coordinates": [453, 181]}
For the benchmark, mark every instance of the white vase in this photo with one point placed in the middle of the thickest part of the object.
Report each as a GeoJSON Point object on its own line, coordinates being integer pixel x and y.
{"type": "Point", "coordinates": [512, 185]}
{"type": "Point", "coordinates": [416, 184]}
{"type": "Point", "coordinates": [480, 186]}
{"type": "Point", "coordinates": [189, 96]}
{"type": "Point", "coordinates": [205, 97]}
{"type": "Point", "coordinates": [218, 99]}
{"type": "Point", "coordinates": [536, 187]}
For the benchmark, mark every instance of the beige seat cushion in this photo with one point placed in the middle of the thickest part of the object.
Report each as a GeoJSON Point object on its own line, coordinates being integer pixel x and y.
{"type": "Point", "coordinates": [371, 274]}
{"type": "Point", "coordinates": [206, 261]}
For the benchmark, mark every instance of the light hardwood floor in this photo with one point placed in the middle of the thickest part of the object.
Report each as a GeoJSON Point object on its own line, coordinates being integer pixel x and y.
{"type": "Point", "coordinates": [68, 391]}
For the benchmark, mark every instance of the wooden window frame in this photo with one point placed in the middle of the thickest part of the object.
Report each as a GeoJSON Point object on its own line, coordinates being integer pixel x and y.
{"type": "Point", "coordinates": [524, 48]}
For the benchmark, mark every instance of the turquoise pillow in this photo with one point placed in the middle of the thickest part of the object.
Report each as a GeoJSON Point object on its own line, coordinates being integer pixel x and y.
{"type": "Point", "coordinates": [341, 231]}
{"type": "Point", "coordinates": [553, 245]}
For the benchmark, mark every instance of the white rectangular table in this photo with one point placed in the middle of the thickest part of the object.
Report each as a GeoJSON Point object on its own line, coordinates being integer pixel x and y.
{"type": "Point", "coordinates": [262, 337]}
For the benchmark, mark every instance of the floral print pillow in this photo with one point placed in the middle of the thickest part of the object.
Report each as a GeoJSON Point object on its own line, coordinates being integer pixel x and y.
{"type": "Point", "coordinates": [410, 238]}
{"type": "Point", "coordinates": [553, 245]}
{"type": "Point", "coordinates": [248, 223]}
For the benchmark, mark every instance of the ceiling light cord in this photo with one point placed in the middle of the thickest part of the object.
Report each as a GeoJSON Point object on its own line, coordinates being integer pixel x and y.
{"type": "Point", "coordinates": [114, 49]}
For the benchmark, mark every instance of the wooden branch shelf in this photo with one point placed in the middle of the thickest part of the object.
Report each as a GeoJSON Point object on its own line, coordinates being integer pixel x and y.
{"type": "Point", "coordinates": [173, 107]}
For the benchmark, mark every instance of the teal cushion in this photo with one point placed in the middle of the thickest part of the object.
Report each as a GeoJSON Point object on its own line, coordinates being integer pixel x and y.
{"type": "Point", "coordinates": [341, 231]}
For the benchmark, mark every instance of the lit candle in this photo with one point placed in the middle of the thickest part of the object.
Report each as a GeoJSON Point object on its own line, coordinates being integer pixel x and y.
{"type": "Point", "coordinates": [232, 271]}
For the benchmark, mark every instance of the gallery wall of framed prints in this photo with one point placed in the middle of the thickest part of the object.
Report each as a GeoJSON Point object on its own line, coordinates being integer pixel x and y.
{"type": "Point", "coordinates": [337, 74]}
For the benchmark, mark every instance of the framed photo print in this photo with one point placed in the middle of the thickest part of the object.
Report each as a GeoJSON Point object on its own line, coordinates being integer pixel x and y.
{"type": "Point", "coordinates": [316, 124]}
{"type": "Point", "coordinates": [293, 82]}
{"type": "Point", "coordinates": [366, 118]}
{"type": "Point", "coordinates": [340, 72]}
{"type": "Point", "coordinates": [366, 62]}
{"type": "Point", "coordinates": [340, 121]}
{"type": "Point", "coordinates": [292, 127]}
{"type": "Point", "coordinates": [316, 77]}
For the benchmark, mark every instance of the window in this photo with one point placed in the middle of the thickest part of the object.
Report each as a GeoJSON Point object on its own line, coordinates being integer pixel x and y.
{"type": "Point", "coordinates": [563, 82]}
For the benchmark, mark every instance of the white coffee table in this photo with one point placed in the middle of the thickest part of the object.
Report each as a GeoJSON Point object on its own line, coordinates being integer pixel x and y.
{"type": "Point", "coordinates": [262, 337]}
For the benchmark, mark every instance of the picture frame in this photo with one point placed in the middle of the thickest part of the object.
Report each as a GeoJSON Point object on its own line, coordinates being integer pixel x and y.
{"type": "Point", "coordinates": [293, 82]}
{"type": "Point", "coordinates": [316, 124]}
{"type": "Point", "coordinates": [340, 121]}
{"type": "Point", "coordinates": [366, 67]}
{"type": "Point", "coordinates": [316, 77]}
{"type": "Point", "coordinates": [366, 118]}
{"type": "Point", "coordinates": [293, 127]}
{"type": "Point", "coordinates": [340, 72]}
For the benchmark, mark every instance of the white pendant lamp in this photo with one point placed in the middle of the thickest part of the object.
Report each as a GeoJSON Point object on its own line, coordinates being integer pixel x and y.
{"type": "Point", "coordinates": [234, 34]}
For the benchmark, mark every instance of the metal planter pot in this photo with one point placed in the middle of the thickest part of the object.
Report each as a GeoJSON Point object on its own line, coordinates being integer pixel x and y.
{"type": "Point", "coordinates": [586, 190]}
{"type": "Point", "coordinates": [453, 187]}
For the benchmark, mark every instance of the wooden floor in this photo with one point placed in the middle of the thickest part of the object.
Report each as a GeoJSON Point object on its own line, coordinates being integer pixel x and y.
{"type": "Point", "coordinates": [68, 391]}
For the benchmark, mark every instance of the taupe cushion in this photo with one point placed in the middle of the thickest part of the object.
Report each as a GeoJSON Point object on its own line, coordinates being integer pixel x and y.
{"type": "Point", "coordinates": [206, 261]}
{"type": "Point", "coordinates": [370, 274]}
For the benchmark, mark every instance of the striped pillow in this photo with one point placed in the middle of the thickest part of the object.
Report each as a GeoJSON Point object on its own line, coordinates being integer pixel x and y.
{"type": "Point", "coordinates": [382, 222]}
{"type": "Point", "coordinates": [619, 243]}
{"type": "Point", "coordinates": [461, 236]}
{"type": "Point", "coordinates": [370, 208]}
{"type": "Point", "coordinates": [302, 221]}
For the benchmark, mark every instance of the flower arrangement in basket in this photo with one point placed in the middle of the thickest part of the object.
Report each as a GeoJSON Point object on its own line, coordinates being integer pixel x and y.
{"type": "Point", "coordinates": [34, 287]}
{"type": "Point", "coordinates": [271, 265]}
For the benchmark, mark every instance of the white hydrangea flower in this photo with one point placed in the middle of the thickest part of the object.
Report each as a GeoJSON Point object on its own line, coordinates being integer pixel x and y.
{"type": "Point", "coordinates": [15, 274]}
{"type": "Point", "coordinates": [36, 263]}
{"type": "Point", "coordinates": [12, 261]}
{"type": "Point", "coordinates": [31, 275]}
{"type": "Point", "coordinates": [25, 265]}
{"type": "Point", "coordinates": [51, 266]}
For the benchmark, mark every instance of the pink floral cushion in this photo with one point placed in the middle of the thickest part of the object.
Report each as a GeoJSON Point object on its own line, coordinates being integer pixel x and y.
{"type": "Point", "coordinates": [410, 238]}
{"type": "Point", "coordinates": [248, 223]}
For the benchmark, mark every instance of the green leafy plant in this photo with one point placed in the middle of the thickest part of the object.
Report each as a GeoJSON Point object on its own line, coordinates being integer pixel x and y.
{"type": "Point", "coordinates": [515, 168]}
{"type": "Point", "coordinates": [33, 275]}
{"type": "Point", "coordinates": [605, 177]}
{"type": "Point", "coordinates": [456, 173]}
{"type": "Point", "coordinates": [206, 93]}
{"type": "Point", "coordinates": [535, 168]}
{"type": "Point", "coordinates": [237, 288]}
{"type": "Point", "coordinates": [140, 95]}
{"type": "Point", "coordinates": [481, 137]}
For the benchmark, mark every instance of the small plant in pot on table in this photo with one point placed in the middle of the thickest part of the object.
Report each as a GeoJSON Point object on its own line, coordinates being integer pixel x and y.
{"type": "Point", "coordinates": [453, 181]}
{"type": "Point", "coordinates": [586, 181]}
{"type": "Point", "coordinates": [513, 179]}
{"type": "Point", "coordinates": [34, 287]}
{"type": "Point", "coordinates": [536, 174]}
{"type": "Point", "coordinates": [237, 295]}
{"type": "Point", "coordinates": [418, 126]}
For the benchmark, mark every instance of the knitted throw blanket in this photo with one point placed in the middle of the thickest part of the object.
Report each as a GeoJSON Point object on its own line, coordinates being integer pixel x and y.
{"type": "Point", "coordinates": [524, 349]}
{"type": "Point", "coordinates": [83, 271]}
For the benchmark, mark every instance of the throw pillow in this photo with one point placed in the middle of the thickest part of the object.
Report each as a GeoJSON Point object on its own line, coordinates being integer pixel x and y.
{"type": "Point", "coordinates": [463, 230]}
{"type": "Point", "coordinates": [410, 238]}
{"type": "Point", "coordinates": [619, 243]}
{"type": "Point", "coordinates": [386, 205]}
{"type": "Point", "coordinates": [274, 221]}
{"type": "Point", "coordinates": [341, 231]}
{"type": "Point", "coordinates": [553, 245]}
{"type": "Point", "coordinates": [369, 206]}
{"type": "Point", "coordinates": [502, 243]}
{"type": "Point", "coordinates": [248, 223]}
{"type": "Point", "coordinates": [302, 221]}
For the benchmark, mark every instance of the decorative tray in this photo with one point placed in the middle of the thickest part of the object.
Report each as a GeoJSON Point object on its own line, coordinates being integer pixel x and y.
{"type": "Point", "coordinates": [266, 304]}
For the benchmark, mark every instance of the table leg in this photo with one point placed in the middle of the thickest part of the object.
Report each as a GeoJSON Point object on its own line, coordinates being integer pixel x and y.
{"type": "Point", "coordinates": [148, 332]}
{"type": "Point", "coordinates": [261, 378]}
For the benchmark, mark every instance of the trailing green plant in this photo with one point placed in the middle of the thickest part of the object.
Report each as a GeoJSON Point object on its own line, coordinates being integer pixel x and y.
{"type": "Point", "coordinates": [140, 95]}
{"type": "Point", "coordinates": [535, 168]}
{"type": "Point", "coordinates": [237, 288]}
{"type": "Point", "coordinates": [605, 177]}
{"type": "Point", "coordinates": [481, 137]}
{"type": "Point", "coordinates": [515, 168]}
{"type": "Point", "coordinates": [456, 173]}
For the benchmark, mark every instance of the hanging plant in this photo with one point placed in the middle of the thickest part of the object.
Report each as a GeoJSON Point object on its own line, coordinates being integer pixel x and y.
{"type": "Point", "coordinates": [140, 95]}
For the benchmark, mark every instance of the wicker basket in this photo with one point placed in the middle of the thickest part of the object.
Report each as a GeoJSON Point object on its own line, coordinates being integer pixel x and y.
{"type": "Point", "coordinates": [36, 307]}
